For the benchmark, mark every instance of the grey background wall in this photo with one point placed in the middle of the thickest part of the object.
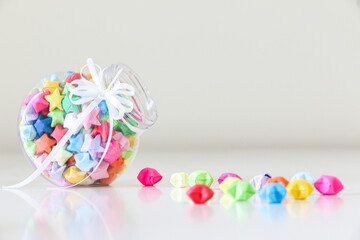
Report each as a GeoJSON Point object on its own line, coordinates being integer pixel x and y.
{"type": "Point", "coordinates": [233, 73]}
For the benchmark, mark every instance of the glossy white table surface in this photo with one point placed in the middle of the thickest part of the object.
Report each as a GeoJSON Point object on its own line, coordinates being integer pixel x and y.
{"type": "Point", "coordinates": [126, 210]}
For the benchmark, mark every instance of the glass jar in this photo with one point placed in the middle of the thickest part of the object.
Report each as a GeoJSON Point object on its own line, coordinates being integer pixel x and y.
{"type": "Point", "coordinates": [65, 124]}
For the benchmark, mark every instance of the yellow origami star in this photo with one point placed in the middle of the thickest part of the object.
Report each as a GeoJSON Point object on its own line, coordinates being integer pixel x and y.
{"type": "Point", "coordinates": [74, 175]}
{"type": "Point", "coordinates": [52, 85]}
{"type": "Point", "coordinates": [55, 100]}
{"type": "Point", "coordinates": [62, 157]}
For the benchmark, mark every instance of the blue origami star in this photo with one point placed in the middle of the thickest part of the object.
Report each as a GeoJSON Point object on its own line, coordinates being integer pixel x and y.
{"type": "Point", "coordinates": [56, 171]}
{"type": "Point", "coordinates": [273, 193]}
{"type": "Point", "coordinates": [104, 108]}
{"type": "Point", "coordinates": [42, 125]}
{"type": "Point", "coordinates": [28, 132]}
{"type": "Point", "coordinates": [84, 162]}
{"type": "Point", "coordinates": [76, 142]}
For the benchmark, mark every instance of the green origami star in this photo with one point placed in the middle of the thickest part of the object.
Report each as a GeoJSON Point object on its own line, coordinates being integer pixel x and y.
{"type": "Point", "coordinates": [57, 116]}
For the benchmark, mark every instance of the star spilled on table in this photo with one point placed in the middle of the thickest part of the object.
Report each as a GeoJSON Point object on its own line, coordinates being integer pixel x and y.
{"type": "Point", "coordinates": [100, 172]}
{"type": "Point", "coordinates": [56, 171]}
{"type": "Point", "coordinates": [113, 152]}
{"type": "Point", "coordinates": [76, 142]}
{"type": "Point", "coordinates": [62, 157]}
{"type": "Point", "coordinates": [42, 125]}
{"type": "Point", "coordinates": [44, 144]}
{"type": "Point", "coordinates": [58, 132]}
{"type": "Point", "coordinates": [57, 116]}
{"type": "Point", "coordinates": [92, 118]}
{"type": "Point", "coordinates": [51, 85]}
{"type": "Point", "coordinates": [39, 103]}
{"type": "Point", "coordinates": [55, 100]}
{"type": "Point", "coordinates": [92, 146]}
{"type": "Point", "coordinates": [84, 162]}
{"type": "Point", "coordinates": [103, 130]}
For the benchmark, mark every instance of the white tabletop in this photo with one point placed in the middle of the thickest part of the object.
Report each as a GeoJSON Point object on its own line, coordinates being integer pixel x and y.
{"type": "Point", "coordinates": [126, 210]}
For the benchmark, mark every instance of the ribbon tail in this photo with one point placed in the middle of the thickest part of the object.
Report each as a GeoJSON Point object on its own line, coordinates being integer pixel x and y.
{"type": "Point", "coordinates": [57, 148]}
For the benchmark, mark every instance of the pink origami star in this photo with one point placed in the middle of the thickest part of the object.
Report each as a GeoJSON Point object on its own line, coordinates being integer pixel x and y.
{"type": "Point", "coordinates": [58, 132]}
{"type": "Point", "coordinates": [39, 103]}
{"type": "Point", "coordinates": [123, 141]}
{"type": "Point", "coordinates": [92, 118]}
{"type": "Point", "coordinates": [100, 172]}
{"type": "Point", "coordinates": [103, 130]}
{"type": "Point", "coordinates": [113, 152]}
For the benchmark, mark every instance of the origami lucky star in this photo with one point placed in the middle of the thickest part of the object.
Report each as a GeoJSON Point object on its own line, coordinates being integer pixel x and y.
{"type": "Point", "coordinates": [104, 108]}
{"type": "Point", "coordinates": [51, 85]}
{"type": "Point", "coordinates": [42, 125]}
{"type": "Point", "coordinates": [62, 157]}
{"type": "Point", "coordinates": [44, 144]}
{"type": "Point", "coordinates": [30, 115]}
{"type": "Point", "coordinates": [241, 190]}
{"type": "Point", "coordinates": [39, 103]}
{"type": "Point", "coordinates": [305, 176]}
{"type": "Point", "coordinates": [58, 132]}
{"type": "Point", "coordinates": [74, 174]}
{"type": "Point", "coordinates": [200, 193]}
{"type": "Point", "coordinates": [69, 106]}
{"type": "Point", "coordinates": [103, 130]}
{"type": "Point", "coordinates": [76, 142]}
{"type": "Point", "coordinates": [300, 189]}
{"type": "Point", "coordinates": [30, 147]}
{"type": "Point", "coordinates": [57, 116]}
{"type": "Point", "coordinates": [278, 179]}
{"type": "Point", "coordinates": [56, 171]}
{"type": "Point", "coordinates": [113, 152]}
{"type": "Point", "coordinates": [100, 172]}
{"type": "Point", "coordinates": [123, 141]}
{"type": "Point", "coordinates": [28, 132]}
{"type": "Point", "coordinates": [55, 100]}
{"type": "Point", "coordinates": [200, 177]}
{"type": "Point", "coordinates": [92, 118]}
{"type": "Point", "coordinates": [149, 176]}
{"type": "Point", "coordinates": [258, 181]}
{"type": "Point", "coordinates": [328, 185]}
{"type": "Point", "coordinates": [273, 193]}
{"type": "Point", "coordinates": [179, 179]}
{"type": "Point", "coordinates": [84, 162]}
{"type": "Point", "coordinates": [92, 146]}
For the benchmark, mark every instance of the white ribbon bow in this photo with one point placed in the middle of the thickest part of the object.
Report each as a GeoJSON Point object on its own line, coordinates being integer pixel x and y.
{"type": "Point", "coordinates": [93, 92]}
{"type": "Point", "coordinates": [114, 94]}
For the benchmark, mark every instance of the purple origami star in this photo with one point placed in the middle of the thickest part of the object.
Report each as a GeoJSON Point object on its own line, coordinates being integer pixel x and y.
{"type": "Point", "coordinates": [56, 172]}
{"type": "Point", "coordinates": [92, 146]}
